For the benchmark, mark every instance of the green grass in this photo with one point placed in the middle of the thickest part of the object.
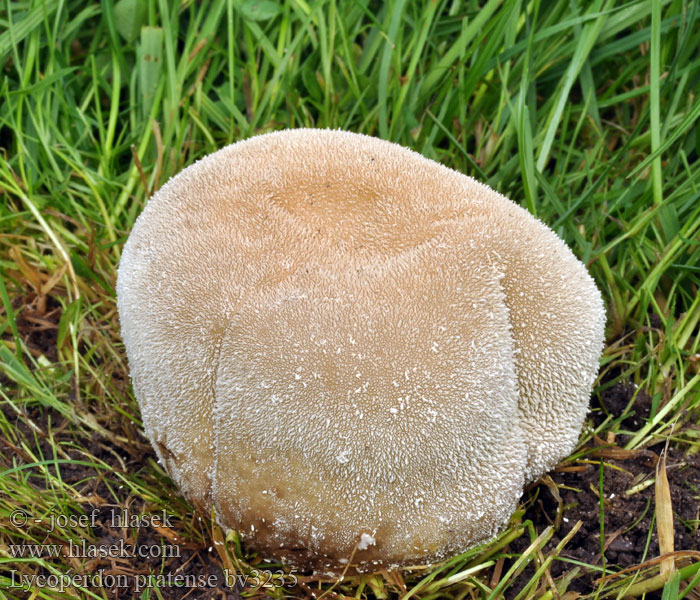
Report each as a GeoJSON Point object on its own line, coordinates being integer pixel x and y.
{"type": "Point", "coordinates": [585, 113]}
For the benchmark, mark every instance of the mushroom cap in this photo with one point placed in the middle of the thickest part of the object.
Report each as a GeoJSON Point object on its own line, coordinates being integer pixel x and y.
{"type": "Point", "coordinates": [351, 351]}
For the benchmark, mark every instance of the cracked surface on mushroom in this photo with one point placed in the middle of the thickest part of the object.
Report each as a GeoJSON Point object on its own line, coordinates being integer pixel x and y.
{"type": "Point", "coordinates": [346, 347]}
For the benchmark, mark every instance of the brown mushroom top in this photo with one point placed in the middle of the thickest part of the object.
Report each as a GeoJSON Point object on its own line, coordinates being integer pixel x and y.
{"type": "Point", "coordinates": [347, 347]}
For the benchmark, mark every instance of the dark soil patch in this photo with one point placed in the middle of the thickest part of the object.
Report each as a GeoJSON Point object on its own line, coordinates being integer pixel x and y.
{"type": "Point", "coordinates": [122, 559]}
{"type": "Point", "coordinates": [627, 536]}
{"type": "Point", "coordinates": [37, 324]}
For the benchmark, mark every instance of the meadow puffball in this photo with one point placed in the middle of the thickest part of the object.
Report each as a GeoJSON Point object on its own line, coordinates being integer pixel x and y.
{"type": "Point", "coordinates": [353, 352]}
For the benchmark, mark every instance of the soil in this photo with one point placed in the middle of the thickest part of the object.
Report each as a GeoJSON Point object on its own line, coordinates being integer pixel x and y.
{"type": "Point", "coordinates": [627, 537]}
{"type": "Point", "coordinates": [188, 563]}
{"type": "Point", "coordinates": [37, 320]}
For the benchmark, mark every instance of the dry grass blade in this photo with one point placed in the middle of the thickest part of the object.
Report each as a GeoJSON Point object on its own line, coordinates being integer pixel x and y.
{"type": "Point", "coordinates": [664, 517]}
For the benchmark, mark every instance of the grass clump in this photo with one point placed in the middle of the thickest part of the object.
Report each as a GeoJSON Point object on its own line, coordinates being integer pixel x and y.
{"type": "Point", "coordinates": [585, 113]}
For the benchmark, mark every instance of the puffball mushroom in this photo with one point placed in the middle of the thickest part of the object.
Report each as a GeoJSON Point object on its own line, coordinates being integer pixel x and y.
{"type": "Point", "coordinates": [353, 352]}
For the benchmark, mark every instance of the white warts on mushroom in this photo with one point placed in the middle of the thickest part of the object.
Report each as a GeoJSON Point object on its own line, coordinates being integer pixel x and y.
{"type": "Point", "coordinates": [350, 350]}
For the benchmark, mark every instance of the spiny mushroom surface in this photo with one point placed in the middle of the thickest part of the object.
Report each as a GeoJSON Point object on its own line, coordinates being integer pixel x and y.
{"type": "Point", "coordinates": [348, 348]}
